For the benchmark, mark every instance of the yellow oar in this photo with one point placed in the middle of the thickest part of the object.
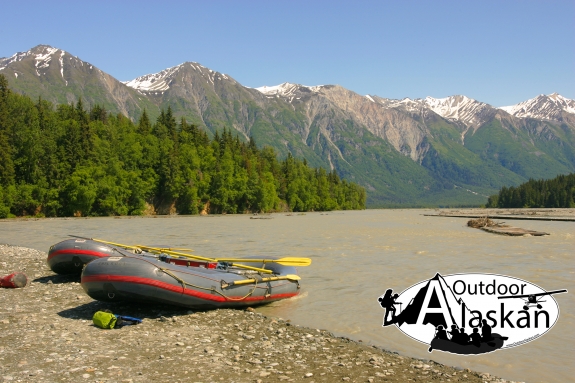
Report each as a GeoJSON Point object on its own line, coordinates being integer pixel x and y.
{"type": "Point", "coordinates": [127, 246]}
{"type": "Point", "coordinates": [289, 277]}
{"type": "Point", "coordinates": [174, 249]}
{"type": "Point", "coordinates": [178, 254]}
{"type": "Point", "coordinates": [287, 261]}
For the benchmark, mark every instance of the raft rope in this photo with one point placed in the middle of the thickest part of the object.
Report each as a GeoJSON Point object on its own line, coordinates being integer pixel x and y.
{"type": "Point", "coordinates": [212, 289]}
{"type": "Point", "coordinates": [184, 283]}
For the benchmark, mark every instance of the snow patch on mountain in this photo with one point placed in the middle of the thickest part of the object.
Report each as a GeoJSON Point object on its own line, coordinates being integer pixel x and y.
{"type": "Point", "coordinates": [14, 58]}
{"type": "Point", "coordinates": [405, 104]}
{"type": "Point", "coordinates": [459, 108]}
{"type": "Point", "coordinates": [456, 108]}
{"type": "Point", "coordinates": [43, 59]}
{"type": "Point", "coordinates": [547, 107]}
{"type": "Point", "coordinates": [160, 82]}
{"type": "Point", "coordinates": [286, 89]}
{"type": "Point", "coordinates": [62, 65]}
{"type": "Point", "coordinates": [155, 82]}
{"type": "Point", "coordinates": [42, 56]}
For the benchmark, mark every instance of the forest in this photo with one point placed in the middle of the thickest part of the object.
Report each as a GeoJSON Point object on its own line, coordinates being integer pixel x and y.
{"type": "Point", "coordinates": [558, 192]}
{"type": "Point", "coordinates": [65, 160]}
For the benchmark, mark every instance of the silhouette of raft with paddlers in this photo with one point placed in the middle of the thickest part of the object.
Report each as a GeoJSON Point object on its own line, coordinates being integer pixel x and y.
{"type": "Point", "coordinates": [467, 349]}
{"type": "Point", "coordinates": [464, 344]}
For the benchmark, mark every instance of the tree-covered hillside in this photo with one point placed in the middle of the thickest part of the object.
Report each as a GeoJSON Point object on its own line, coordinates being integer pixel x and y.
{"type": "Point", "coordinates": [558, 192]}
{"type": "Point", "coordinates": [67, 161]}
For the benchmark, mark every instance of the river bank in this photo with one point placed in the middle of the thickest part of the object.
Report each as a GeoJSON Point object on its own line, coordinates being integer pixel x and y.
{"type": "Point", "coordinates": [46, 335]}
{"type": "Point", "coordinates": [566, 214]}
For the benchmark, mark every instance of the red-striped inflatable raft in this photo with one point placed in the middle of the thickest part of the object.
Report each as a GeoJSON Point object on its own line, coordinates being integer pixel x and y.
{"type": "Point", "coordinates": [70, 256]}
{"type": "Point", "coordinates": [127, 277]}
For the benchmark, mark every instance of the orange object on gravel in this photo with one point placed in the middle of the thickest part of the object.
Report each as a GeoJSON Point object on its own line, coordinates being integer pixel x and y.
{"type": "Point", "coordinates": [14, 281]}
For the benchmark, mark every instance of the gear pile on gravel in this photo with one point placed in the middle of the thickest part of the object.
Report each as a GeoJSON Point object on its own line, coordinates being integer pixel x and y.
{"type": "Point", "coordinates": [47, 335]}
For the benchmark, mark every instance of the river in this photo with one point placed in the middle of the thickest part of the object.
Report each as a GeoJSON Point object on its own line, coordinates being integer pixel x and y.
{"type": "Point", "coordinates": [358, 255]}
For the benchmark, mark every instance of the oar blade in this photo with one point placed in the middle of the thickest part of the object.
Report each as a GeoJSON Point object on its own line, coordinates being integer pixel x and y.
{"type": "Point", "coordinates": [294, 261]}
{"type": "Point", "coordinates": [287, 261]}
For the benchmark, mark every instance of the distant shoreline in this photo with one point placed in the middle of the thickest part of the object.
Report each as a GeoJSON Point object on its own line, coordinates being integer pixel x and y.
{"type": "Point", "coordinates": [541, 214]}
{"type": "Point", "coordinates": [551, 214]}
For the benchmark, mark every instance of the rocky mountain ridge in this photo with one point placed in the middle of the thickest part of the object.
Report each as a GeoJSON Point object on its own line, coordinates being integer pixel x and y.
{"type": "Point", "coordinates": [413, 151]}
{"type": "Point", "coordinates": [552, 107]}
{"type": "Point", "coordinates": [60, 77]}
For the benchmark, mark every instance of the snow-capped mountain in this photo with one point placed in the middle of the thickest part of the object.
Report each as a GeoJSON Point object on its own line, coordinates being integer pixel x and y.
{"type": "Point", "coordinates": [60, 77]}
{"type": "Point", "coordinates": [545, 107]}
{"type": "Point", "coordinates": [158, 83]}
{"type": "Point", "coordinates": [42, 54]}
{"type": "Point", "coordinates": [288, 90]}
{"type": "Point", "coordinates": [457, 108]}
{"type": "Point", "coordinates": [43, 57]}
{"type": "Point", "coordinates": [402, 151]}
{"type": "Point", "coordinates": [461, 108]}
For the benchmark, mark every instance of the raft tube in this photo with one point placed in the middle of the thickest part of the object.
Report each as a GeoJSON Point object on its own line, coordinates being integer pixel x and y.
{"type": "Point", "coordinates": [70, 256]}
{"type": "Point", "coordinates": [134, 278]}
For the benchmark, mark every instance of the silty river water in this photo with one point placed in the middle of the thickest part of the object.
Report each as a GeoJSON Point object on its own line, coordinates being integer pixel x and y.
{"type": "Point", "coordinates": [356, 257]}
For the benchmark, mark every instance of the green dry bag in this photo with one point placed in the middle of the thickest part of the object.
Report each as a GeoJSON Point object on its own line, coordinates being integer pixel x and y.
{"type": "Point", "coordinates": [104, 320]}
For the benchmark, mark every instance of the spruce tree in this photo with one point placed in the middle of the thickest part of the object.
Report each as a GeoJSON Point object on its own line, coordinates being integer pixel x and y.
{"type": "Point", "coordinates": [6, 163]}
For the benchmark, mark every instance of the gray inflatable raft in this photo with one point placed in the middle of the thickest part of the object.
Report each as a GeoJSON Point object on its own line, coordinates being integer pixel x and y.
{"type": "Point", "coordinates": [70, 256]}
{"type": "Point", "coordinates": [136, 278]}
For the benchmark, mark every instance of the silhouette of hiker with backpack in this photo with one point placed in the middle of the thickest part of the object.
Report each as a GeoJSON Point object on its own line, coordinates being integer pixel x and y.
{"type": "Point", "coordinates": [388, 302]}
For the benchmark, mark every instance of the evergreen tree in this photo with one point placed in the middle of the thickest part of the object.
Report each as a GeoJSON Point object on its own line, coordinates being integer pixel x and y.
{"type": "Point", "coordinates": [144, 126]}
{"type": "Point", "coordinates": [558, 192]}
{"type": "Point", "coordinates": [6, 162]}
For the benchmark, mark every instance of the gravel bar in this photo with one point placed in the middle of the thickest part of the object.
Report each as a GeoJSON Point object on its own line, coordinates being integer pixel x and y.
{"type": "Point", "coordinates": [46, 335]}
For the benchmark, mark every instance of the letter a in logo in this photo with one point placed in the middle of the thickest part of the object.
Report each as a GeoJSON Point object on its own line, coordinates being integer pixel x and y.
{"type": "Point", "coordinates": [434, 297]}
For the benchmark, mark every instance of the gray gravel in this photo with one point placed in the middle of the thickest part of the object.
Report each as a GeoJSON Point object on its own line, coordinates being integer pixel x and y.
{"type": "Point", "coordinates": [46, 335]}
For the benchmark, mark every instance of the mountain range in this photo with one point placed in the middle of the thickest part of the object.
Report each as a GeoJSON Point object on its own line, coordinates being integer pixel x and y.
{"type": "Point", "coordinates": [450, 151]}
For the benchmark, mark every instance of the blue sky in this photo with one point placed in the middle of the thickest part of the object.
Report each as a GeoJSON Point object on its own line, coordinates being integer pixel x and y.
{"type": "Point", "coordinates": [500, 52]}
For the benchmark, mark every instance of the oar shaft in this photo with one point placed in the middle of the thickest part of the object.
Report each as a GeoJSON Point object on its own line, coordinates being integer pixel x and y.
{"type": "Point", "coordinates": [262, 280]}
{"type": "Point", "coordinates": [206, 259]}
{"type": "Point", "coordinates": [251, 268]}
{"type": "Point", "coordinates": [248, 281]}
{"type": "Point", "coordinates": [287, 261]}
{"type": "Point", "coordinates": [161, 250]}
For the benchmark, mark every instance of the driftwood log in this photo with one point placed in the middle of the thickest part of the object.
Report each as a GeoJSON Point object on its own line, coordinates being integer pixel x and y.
{"type": "Point", "coordinates": [490, 226]}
